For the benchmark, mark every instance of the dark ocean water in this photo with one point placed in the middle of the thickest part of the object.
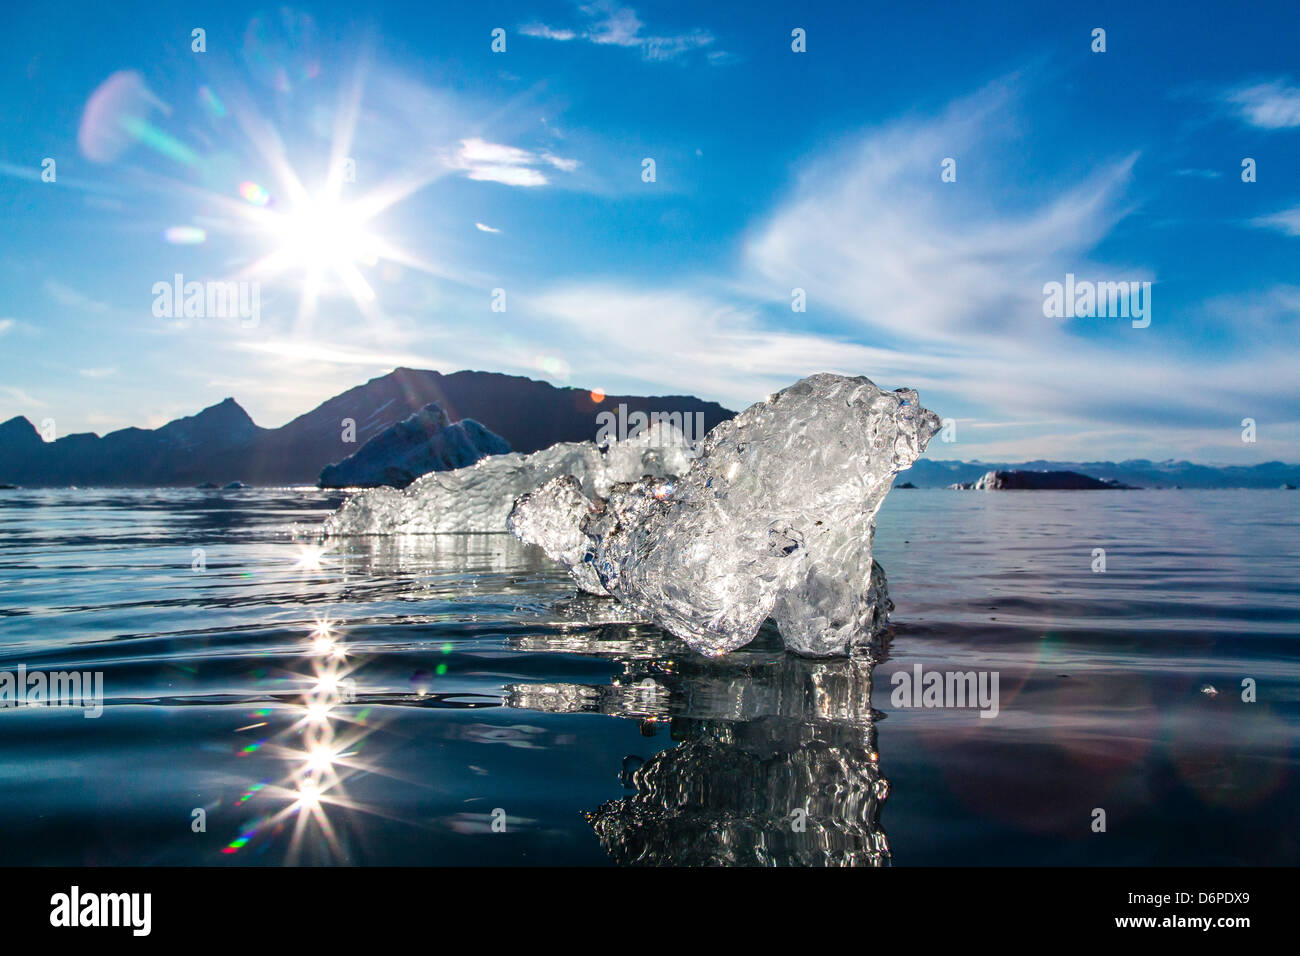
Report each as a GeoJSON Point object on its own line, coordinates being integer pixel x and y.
{"type": "Point", "coordinates": [450, 701]}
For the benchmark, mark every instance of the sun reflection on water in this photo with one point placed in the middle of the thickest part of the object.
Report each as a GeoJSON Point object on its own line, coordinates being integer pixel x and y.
{"type": "Point", "coordinates": [321, 747]}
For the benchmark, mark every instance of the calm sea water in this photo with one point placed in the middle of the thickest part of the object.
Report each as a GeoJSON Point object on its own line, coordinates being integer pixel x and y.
{"type": "Point", "coordinates": [450, 701]}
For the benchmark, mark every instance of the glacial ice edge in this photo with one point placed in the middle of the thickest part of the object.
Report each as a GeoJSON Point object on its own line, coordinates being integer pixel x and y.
{"type": "Point", "coordinates": [774, 518]}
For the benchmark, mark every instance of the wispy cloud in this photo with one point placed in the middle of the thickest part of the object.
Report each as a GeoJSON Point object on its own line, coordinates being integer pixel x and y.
{"type": "Point", "coordinates": [16, 396]}
{"type": "Point", "coordinates": [694, 340]}
{"type": "Point", "coordinates": [1261, 314]}
{"type": "Point", "coordinates": [613, 24]}
{"type": "Point", "coordinates": [559, 162]}
{"type": "Point", "coordinates": [608, 23]}
{"type": "Point", "coordinates": [544, 32]}
{"type": "Point", "coordinates": [1288, 221]}
{"type": "Point", "coordinates": [6, 325]}
{"type": "Point", "coordinates": [875, 234]}
{"type": "Point", "coordinates": [1053, 396]}
{"type": "Point", "coordinates": [484, 228]}
{"type": "Point", "coordinates": [323, 352]}
{"type": "Point", "coordinates": [1267, 105]}
{"type": "Point", "coordinates": [946, 287]}
{"type": "Point", "coordinates": [494, 162]}
{"type": "Point", "coordinates": [73, 299]}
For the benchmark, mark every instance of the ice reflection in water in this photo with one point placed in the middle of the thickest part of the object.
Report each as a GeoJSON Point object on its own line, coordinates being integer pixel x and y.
{"type": "Point", "coordinates": [776, 760]}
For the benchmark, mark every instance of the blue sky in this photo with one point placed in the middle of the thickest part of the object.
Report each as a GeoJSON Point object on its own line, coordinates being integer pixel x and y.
{"type": "Point", "coordinates": [775, 170]}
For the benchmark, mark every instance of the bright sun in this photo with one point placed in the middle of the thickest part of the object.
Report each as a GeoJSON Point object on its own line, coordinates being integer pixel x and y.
{"type": "Point", "coordinates": [325, 233]}
{"type": "Point", "coordinates": [322, 237]}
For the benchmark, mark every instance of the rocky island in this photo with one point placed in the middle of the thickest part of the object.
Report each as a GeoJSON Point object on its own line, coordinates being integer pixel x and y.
{"type": "Point", "coordinates": [1039, 481]}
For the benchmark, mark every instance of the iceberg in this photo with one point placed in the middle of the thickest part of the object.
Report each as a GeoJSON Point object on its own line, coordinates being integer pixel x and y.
{"type": "Point", "coordinates": [426, 441]}
{"type": "Point", "coordinates": [478, 498]}
{"type": "Point", "coordinates": [774, 518]}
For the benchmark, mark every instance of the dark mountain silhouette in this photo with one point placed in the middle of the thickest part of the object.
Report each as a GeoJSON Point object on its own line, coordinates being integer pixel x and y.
{"type": "Point", "coordinates": [1041, 481]}
{"type": "Point", "coordinates": [20, 436]}
{"type": "Point", "coordinates": [222, 444]}
{"type": "Point", "coordinates": [1137, 472]}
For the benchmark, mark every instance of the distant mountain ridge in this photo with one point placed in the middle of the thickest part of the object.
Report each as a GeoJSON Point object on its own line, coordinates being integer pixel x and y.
{"type": "Point", "coordinates": [222, 443]}
{"type": "Point", "coordinates": [1138, 472]}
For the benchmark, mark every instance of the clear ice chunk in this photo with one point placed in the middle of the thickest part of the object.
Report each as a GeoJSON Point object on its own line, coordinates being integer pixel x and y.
{"type": "Point", "coordinates": [478, 498]}
{"type": "Point", "coordinates": [552, 517]}
{"type": "Point", "coordinates": [775, 518]}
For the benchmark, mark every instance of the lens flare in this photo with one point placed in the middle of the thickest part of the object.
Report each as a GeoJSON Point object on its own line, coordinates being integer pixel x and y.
{"type": "Point", "coordinates": [211, 102]}
{"type": "Point", "coordinates": [185, 235]}
{"type": "Point", "coordinates": [308, 796]}
{"type": "Point", "coordinates": [553, 367]}
{"type": "Point", "coordinates": [317, 713]}
{"type": "Point", "coordinates": [114, 115]}
{"type": "Point", "coordinates": [254, 193]}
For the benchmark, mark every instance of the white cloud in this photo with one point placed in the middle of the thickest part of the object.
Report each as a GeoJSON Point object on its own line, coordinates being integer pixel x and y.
{"type": "Point", "coordinates": [17, 396]}
{"type": "Point", "coordinates": [6, 325]}
{"type": "Point", "coordinates": [494, 162]}
{"type": "Point", "coordinates": [875, 234]}
{"type": "Point", "coordinates": [692, 340]}
{"type": "Point", "coordinates": [544, 32]}
{"type": "Point", "coordinates": [1288, 221]}
{"type": "Point", "coordinates": [98, 372]}
{"type": "Point", "coordinates": [1257, 314]}
{"type": "Point", "coordinates": [1267, 105]}
{"type": "Point", "coordinates": [482, 228]}
{"type": "Point", "coordinates": [1055, 397]}
{"type": "Point", "coordinates": [560, 163]}
{"type": "Point", "coordinates": [479, 151]}
{"type": "Point", "coordinates": [509, 175]}
{"type": "Point", "coordinates": [611, 24]}
{"type": "Point", "coordinates": [666, 48]}
{"type": "Point", "coordinates": [946, 287]}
